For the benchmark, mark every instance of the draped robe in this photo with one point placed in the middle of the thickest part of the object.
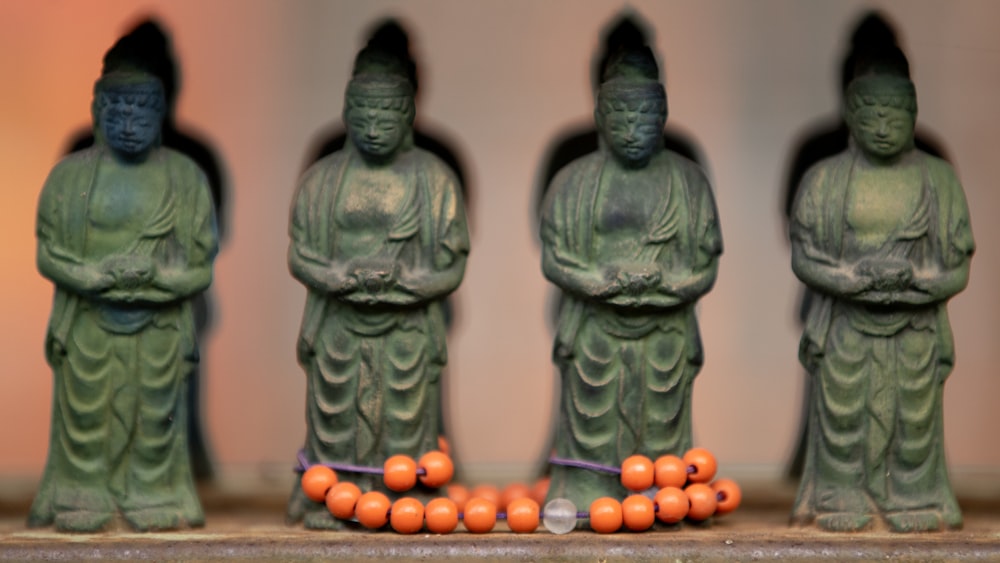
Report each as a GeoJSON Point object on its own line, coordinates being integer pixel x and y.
{"type": "Point", "coordinates": [876, 443]}
{"type": "Point", "coordinates": [626, 373]}
{"type": "Point", "coordinates": [373, 371]}
{"type": "Point", "coordinates": [118, 438]}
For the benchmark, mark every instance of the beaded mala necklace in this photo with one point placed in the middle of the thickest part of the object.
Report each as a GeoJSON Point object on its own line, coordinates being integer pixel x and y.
{"type": "Point", "coordinates": [684, 489]}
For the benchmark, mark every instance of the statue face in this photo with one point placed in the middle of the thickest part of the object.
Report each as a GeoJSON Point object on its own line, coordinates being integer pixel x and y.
{"type": "Point", "coordinates": [130, 129]}
{"type": "Point", "coordinates": [377, 133]}
{"type": "Point", "coordinates": [633, 137]}
{"type": "Point", "coordinates": [882, 132]}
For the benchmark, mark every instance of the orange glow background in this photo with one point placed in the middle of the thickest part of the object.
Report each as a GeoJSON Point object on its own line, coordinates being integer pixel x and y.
{"type": "Point", "coordinates": [500, 80]}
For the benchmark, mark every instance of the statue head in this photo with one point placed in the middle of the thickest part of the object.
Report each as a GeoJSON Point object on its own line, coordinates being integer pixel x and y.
{"type": "Point", "coordinates": [881, 112]}
{"type": "Point", "coordinates": [630, 115]}
{"type": "Point", "coordinates": [378, 113]}
{"type": "Point", "coordinates": [128, 110]}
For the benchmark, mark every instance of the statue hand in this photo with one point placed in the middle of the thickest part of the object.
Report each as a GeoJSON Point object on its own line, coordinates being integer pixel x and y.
{"type": "Point", "coordinates": [374, 276]}
{"type": "Point", "coordinates": [637, 279]}
{"type": "Point", "coordinates": [129, 271]}
{"type": "Point", "coordinates": [886, 274]}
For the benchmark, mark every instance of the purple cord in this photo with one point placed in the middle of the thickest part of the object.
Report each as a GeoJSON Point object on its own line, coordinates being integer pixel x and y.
{"type": "Point", "coordinates": [346, 467]}
{"type": "Point", "coordinates": [584, 465]}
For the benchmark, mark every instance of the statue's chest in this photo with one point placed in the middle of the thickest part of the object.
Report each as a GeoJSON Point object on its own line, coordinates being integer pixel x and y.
{"type": "Point", "coordinates": [882, 201]}
{"type": "Point", "coordinates": [627, 204]}
{"type": "Point", "coordinates": [125, 198]}
{"type": "Point", "coordinates": [369, 200]}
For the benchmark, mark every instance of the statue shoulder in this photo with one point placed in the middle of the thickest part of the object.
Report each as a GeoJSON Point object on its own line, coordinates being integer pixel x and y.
{"type": "Point", "coordinates": [588, 165]}
{"type": "Point", "coordinates": [818, 174]}
{"type": "Point", "coordinates": [431, 165]}
{"type": "Point", "coordinates": [685, 166]}
{"type": "Point", "coordinates": [72, 172]}
{"type": "Point", "coordinates": [182, 164]}
{"type": "Point", "coordinates": [939, 169]}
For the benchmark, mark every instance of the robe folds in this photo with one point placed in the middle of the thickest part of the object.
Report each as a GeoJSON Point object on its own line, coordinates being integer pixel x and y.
{"type": "Point", "coordinates": [876, 439]}
{"type": "Point", "coordinates": [627, 374]}
{"type": "Point", "coordinates": [373, 371]}
{"type": "Point", "coordinates": [118, 438]}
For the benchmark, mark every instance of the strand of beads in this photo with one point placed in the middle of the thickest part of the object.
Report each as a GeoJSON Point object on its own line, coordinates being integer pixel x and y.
{"type": "Point", "coordinates": [407, 515]}
{"type": "Point", "coordinates": [399, 473]}
{"type": "Point", "coordinates": [684, 490]}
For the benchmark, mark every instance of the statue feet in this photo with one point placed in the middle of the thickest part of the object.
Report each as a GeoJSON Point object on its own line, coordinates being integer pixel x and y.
{"type": "Point", "coordinates": [322, 520]}
{"type": "Point", "coordinates": [915, 521]}
{"type": "Point", "coordinates": [82, 521]}
{"type": "Point", "coordinates": [153, 519]}
{"type": "Point", "coordinates": [843, 521]}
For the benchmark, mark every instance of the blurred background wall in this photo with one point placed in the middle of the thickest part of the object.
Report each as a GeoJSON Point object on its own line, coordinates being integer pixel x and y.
{"type": "Point", "coordinates": [499, 80]}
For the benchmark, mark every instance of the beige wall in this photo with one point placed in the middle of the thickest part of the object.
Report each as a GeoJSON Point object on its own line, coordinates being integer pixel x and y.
{"type": "Point", "coordinates": [500, 79]}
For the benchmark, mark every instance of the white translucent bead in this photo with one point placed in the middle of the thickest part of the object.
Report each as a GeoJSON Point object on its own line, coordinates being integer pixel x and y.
{"type": "Point", "coordinates": [559, 516]}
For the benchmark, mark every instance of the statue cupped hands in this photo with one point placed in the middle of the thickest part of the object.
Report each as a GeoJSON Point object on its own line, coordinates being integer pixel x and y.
{"type": "Point", "coordinates": [884, 274]}
{"type": "Point", "coordinates": [128, 271]}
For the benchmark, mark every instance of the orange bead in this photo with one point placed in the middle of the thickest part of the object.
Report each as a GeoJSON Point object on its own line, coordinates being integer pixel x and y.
{"type": "Point", "coordinates": [459, 494]}
{"type": "Point", "coordinates": [373, 510]}
{"type": "Point", "coordinates": [670, 471]}
{"type": "Point", "coordinates": [441, 515]}
{"type": "Point", "coordinates": [480, 515]}
{"type": "Point", "coordinates": [400, 473]}
{"type": "Point", "coordinates": [342, 499]}
{"type": "Point", "coordinates": [317, 480]}
{"type": "Point", "coordinates": [488, 492]}
{"type": "Point", "coordinates": [637, 473]}
{"type": "Point", "coordinates": [438, 469]}
{"type": "Point", "coordinates": [703, 501]}
{"type": "Point", "coordinates": [407, 516]}
{"type": "Point", "coordinates": [637, 513]}
{"type": "Point", "coordinates": [541, 490]}
{"type": "Point", "coordinates": [443, 445]}
{"type": "Point", "coordinates": [672, 505]}
{"type": "Point", "coordinates": [729, 495]}
{"type": "Point", "coordinates": [605, 515]}
{"type": "Point", "coordinates": [522, 515]}
{"type": "Point", "coordinates": [513, 492]}
{"type": "Point", "coordinates": [704, 465]}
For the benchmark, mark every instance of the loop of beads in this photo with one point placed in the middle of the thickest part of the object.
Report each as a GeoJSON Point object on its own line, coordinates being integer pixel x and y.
{"type": "Point", "coordinates": [683, 492]}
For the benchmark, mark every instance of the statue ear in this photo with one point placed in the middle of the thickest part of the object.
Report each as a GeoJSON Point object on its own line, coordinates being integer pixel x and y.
{"type": "Point", "coordinates": [847, 115]}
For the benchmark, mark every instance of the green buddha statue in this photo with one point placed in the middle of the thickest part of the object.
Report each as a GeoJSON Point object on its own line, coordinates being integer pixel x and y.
{"type": "Point", "coordinates": [126, 232]}
{"type": "Point", "coordinates": [379, 239]}
{"type": "Point", "coordinates": [631, 236]}
{"type": "Point", "coordinates": [881, 234]}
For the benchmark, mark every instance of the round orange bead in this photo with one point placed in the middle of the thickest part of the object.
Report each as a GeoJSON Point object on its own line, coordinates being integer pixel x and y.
{"type": "Point", "coordinates": [541, 490]}
{"type": "Point", "coordinates": [373, 510]}
{"type": "Point", "coordinates": [488, 492]}
{"type": "Point", "coordinates": [438, 469]}
{"type": "Point", "coordinates": [670, 471]}
{"type": "Point", "coordinates": [513, 492]}
{"type": "Point", "coordinates": [728, 494]}
{"type": "Point", "coordinates": [637, 473]}
{"type": "Point", "coordinates": [703, 501]}
{"type": "Point", "coordinates": [407, 516]}
{"type": "Point", "coordinates": [400, 473]}
{"type": "Point", "coordinates": [522, 515]}
{"type": "Point", "coordinates": [459, 494]}
{"type": "Point", "coordinates": [637, 513]}
{"type": "Point", "coordinates": [672, 505]}
{"type": "Point", "coordinates": [704, 465]}
{"type": "Point", "coordinates": [443, 445]}
{"type": "Point", "coordinates": [441, 515]}
{"type": "Point", "coordinates": [342, 499]}
{"type": "Point", "coordinates": [480, 515]}
{"type": "Point", "coordinates": [605, 515]}
{"type": "Point", "coordinates": [316, 481]}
